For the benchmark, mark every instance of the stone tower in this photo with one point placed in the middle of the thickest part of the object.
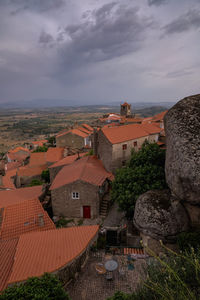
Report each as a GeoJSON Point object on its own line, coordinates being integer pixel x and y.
{"type": "Point", "coordinates": [125, 109]}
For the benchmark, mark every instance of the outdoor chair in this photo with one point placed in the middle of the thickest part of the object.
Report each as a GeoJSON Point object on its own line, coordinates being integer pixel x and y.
{"type": "Point", "coordinates": [109, 276]}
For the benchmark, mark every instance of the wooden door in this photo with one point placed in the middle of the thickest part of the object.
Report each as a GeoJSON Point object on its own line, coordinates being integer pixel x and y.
{"type": "Point", "coordinates": [86, 212]}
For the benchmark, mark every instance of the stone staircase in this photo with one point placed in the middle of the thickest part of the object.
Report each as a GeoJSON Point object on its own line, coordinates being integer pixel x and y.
{"type": "Point", "coordinates": [105, 203]}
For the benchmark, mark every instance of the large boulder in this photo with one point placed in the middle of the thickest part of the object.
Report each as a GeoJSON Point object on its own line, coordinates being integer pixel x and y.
{"type": "Point", "coordinates": [182, 127]}
{"type": "Point", "coordinates": [160, 216]}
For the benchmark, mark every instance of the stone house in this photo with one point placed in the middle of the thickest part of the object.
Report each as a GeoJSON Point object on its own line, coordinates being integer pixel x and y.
{"type": "Point", "coordinates": [55, 168]}
{"type": "Point", "coordinates": [80, 189]}
{"type": "Point", "coordinates": [77, 138]}
{"type": "Point", "coordinates": [18, 154]}
{"type": "Point", "coordinates": [39, 161]}
{"type": "Point", "coordinates": [113, 145]}
{"type": "Point", "coordinates": [58, 251]}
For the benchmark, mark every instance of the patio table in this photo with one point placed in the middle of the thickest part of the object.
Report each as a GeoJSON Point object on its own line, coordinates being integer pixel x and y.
{"type": "Point", "coordinates": [111, 265]}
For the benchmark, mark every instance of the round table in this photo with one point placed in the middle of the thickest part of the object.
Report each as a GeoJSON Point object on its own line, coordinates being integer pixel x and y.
{"type": "Point", "coordinates": [111, 265]}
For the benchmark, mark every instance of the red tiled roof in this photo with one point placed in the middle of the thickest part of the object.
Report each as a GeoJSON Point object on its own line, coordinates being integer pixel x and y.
{"type": "Point", "coordinates": [23, 217]}
{"type": "Point", "coordinates": [18, 149]}
{"type": "Point", "coordinates": [79, 133]}
{"type": "Point", "coordinates": [49, 251]}
{"type": "Point", "coordinates": [84, 130]}
{"type": "Point", "coordinates": [12, 165]}
{"type": "Point", "coordinates": [54, 154]}
{"type": "Point", "coordinates": [125, 104]}
{"type": "Point", "coordinates": [63, 132]}
{"type": "Point", "coordinates": [29, 171]}
{"type": "Point", "coordinates": [124, 133]}
{"type": "Point", "coordinates": [7, 179]}
{"type": "Point", "coordinates": [19, 195]}
{"type": "Point", "coordinates": [37, 158]}
{"type": "Point", "coordinates": [160, 116]}
{"type": "Point", "coordinates": [88, 127]}
{"type": "Point", "coordinates": [67, 160]}
{"type": "Point", "coordinates": [7, 253]}
{"type": "Point", "coordinates": [39, 143]}
{"type": "Point", "coordinates": [88, 169]}
{"type": "Point", "coordinates": [17, 156]}
{"type": "Point", "coordinates": [151, 128]}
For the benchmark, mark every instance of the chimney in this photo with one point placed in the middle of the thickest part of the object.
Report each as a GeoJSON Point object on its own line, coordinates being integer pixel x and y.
{"type": "Point", "coordinates": [95, 141]}
{"type": "Point", "coordinates": [41, 220]}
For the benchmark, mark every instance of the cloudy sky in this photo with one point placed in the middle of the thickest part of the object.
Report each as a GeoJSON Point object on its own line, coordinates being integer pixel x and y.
{"type": "Point", "coordinates": [93, 51]}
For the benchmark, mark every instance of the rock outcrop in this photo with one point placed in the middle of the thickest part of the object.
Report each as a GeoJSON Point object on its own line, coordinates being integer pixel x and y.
{"type": "Point", "coordinates": [182, 168]}
{"type": "Point", "coordinates": [159, 215]}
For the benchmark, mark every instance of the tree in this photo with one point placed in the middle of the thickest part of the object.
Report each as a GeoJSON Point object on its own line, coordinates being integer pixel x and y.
{"type": "Point", "coordinates": [47, 287]}
{"type": "Point", "coordinates": [41, 149]}
{"type": "Point", "coordinates": [144, 172]}
{"type": "Point", "coordinates": [46, 175]}
{"type": "Point", "coordinates": [52, 141]}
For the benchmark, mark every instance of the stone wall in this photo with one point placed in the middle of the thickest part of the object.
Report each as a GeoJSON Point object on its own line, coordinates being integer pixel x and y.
{"type": "Point", "coordinates": [54, 171]}
{"type": "Point", "coordinates": [63, 204]}
{"type": "Point", "coordinates": [70, 140]}
{"type": "Point", "coordinates": [104, 151]}
{"type": "Point", "coordinates": [70, 271]}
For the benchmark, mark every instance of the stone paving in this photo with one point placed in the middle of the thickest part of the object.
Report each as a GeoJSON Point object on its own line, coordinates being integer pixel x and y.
{"type": "Point", "coordinates": [90, 285]}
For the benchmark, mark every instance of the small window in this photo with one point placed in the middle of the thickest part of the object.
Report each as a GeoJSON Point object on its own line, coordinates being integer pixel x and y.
{"type": "Point", "coordinates": [75, 195]}
{"type": "Point", "coordinates": [124, 147]}
{"type": "Point", "coordinates": [135, 144]}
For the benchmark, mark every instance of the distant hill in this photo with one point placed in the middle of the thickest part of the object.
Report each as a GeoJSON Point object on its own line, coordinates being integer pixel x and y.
{"type": "Point", "coordinates": [50, 103]}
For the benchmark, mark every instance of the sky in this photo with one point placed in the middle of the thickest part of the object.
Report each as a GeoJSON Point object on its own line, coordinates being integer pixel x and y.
{"type": "Point", "coordinates": [99, 51]}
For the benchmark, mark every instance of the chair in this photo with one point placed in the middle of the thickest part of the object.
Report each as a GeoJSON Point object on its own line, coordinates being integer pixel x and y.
{"type": "Point", "coordinates": [109, 276]}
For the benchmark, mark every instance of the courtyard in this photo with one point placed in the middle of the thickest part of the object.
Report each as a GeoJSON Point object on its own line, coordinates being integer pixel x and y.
{"type": "Point", "coordinates": [93, 283]}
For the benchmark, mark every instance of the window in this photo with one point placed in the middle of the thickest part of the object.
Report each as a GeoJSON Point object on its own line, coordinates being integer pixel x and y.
{"type": "Point", "coordinates": [124, 147]}
{"type": "Point", "coordinates": [135, 144]}
{"type": "Point", "coordinates": [75, 195]}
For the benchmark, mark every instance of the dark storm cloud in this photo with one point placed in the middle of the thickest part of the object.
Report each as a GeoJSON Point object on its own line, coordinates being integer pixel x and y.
{"type": "Point", "coordinates": [45, 38]}
{"type": "Point", "coordinates": [185, 22]}
{"type": "Point", "coordinates": [110, 31]}
{"type": "Point", "coordinates": [35, 5]}
{"type": "Point", "coordinates": [156, 2]}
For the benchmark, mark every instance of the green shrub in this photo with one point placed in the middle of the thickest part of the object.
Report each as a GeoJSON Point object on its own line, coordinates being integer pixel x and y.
{"type": "Point", "coordinates": [47, 287]}
{"type": "Point", "coordinates": [186, 240]}
{"type": "Point", "coordinates": [175, 277]}
{"type": "Point", "coordinates": [80, 222]}
{"type": "Point", "coordinates": [63, 222]}
{"type": "Point", "coordinates": [35, 182]}
{"type": "Point", "coordinates": [41, 149]}
{"type": "Point", "coordinates": [46, 176]}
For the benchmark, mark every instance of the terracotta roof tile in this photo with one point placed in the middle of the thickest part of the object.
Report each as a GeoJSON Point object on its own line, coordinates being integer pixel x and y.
{"type": "Point", "coordinates": [48, 251]}
{"type": "Point", "coordinates": [7, 179]}
{"type": "Point", "coordinates": [37, 158]}
{"type": "Point", "coordinates": [67, 160]}
{"type": "Point", "coordinates": [7, 253]}
{"type": "Point", "coordinates": [88, 127]}
{"type": "Point", "coordinates": [39, 143]}
{"type": "Point", "coordinates": [28, 171]}
{"type": "Point", "coordinates": [12, 165]}
{"type": "Point", "coordinates": [18, 149]}
{"type": "Point", "coordinates": [124, 133]}
{"type": "Point", "coordinates": [54, 154]}
{"type": "Point", "coordinates": [79, 133]}
{"type": "Point", "coordinates": [84, 130]}
{"type": "Point", "coordinates": [160, 116]}
{"type": "Point", "coordinates": [24, 217]}
{"type": "Point", "coordinates": [19, 195]}
{"type": "Point", "coordinates": [88, 169]}
{"type": "Point", "coordinates": [125, 104]}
